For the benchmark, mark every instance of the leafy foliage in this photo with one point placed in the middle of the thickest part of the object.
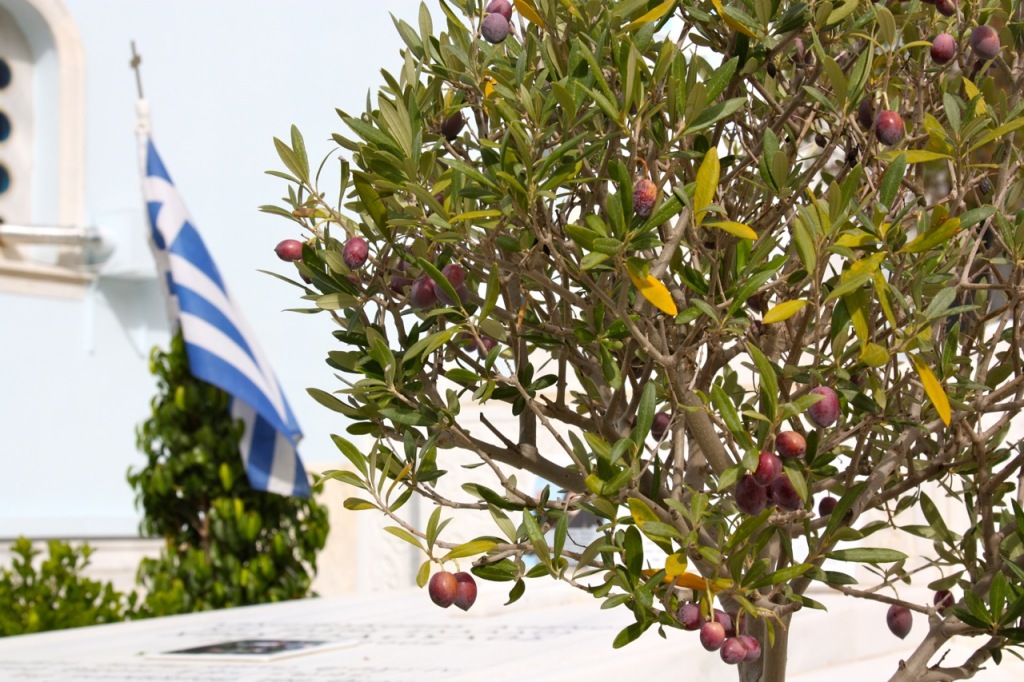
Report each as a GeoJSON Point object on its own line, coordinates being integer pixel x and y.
{"type": "Point", "coordinates": [53, 594]}
{"type": "Point", "coordinates": [787, 249]}
{"type": "Point", "coordinates": [227, 544]}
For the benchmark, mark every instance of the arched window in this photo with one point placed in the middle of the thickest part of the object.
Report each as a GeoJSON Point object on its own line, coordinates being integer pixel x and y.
{"type": "Point", "coordinates": [16, 122]}
{"type": "Point", "coordinates": [42, 145]}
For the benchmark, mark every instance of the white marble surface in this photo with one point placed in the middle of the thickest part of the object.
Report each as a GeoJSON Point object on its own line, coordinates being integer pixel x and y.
{"type": "Point", "coordinates": [551, 634]}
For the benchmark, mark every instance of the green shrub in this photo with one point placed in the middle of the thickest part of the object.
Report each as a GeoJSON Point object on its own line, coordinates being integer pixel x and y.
{"type": "Point", "coordinates": [227, 544]}
{"type": "Point", "coordinates": [55, 595]}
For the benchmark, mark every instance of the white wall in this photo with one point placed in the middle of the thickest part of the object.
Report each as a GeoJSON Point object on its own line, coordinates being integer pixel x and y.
{"type": "Point", "coordinates": [222, 80]}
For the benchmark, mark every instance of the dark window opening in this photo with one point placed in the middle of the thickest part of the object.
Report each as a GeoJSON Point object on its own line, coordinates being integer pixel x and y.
{"type": "Point", "coordinates": [5, 73]}
{"type": "Point", "coordinates": [5, 126]}
{"type": "Point", "coordinates": [5, 179]}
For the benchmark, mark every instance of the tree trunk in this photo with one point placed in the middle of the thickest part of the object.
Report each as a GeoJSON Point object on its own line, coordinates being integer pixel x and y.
{"type": "Point", "coordinates": [771, 667]}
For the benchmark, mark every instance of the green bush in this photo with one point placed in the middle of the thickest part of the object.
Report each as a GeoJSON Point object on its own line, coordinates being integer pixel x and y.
{"type": "Point", "coordinates": [55, 595]}
{"type": "Point", "coordinates": [227, 544]}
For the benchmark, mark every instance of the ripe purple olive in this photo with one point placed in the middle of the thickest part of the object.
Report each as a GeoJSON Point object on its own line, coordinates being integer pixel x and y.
{"type": "Point", "coordinates": [945, 7]}
{"type": "Point", "coordinates": [712, 636]}
{"type": "Point", "coordinates": [355, 253]}
{"type": "Point", "coordinates": [825, 412]}
{"type": "Point", "coordinates": [785, 495]}
{"type": "Point", "coordinates": [690, 617]}
{"type": "Point", "coordinates": [494, 28]}
{"type": "Point", "coordinates": [752, 645]}
{"type": "Point", "coordinates": [769, 467]}
{"type": "Point", "coordinates": [899, 620]}
{"type": "Point", "coordinates": [289, 250]}
{"type": "Point", "coordinates": [485, 345]}
{"type": "Point", "coordinates": [423, 294]}
{"type": "Point", "coordinates": [456, 276]}
{"type": "Point", "coordinates": [866, 113]}
{"type": "Point", "coordinates": [790, 444]}
{"type": "Point", "coordinates": [465, 591]}
{"type": "Point", "coordinates": [644, 194]}
{"type": "Point", "coordinates": [750, 497]}
{"type": "Point", "coordinates": [827, 505]}
{"type": "Point", "coordinates": [889, 127]}
{"type": "Point", "coordinates": [452, 126]}
{"type": "Point", "coordinates": [733, 651]}
{"type": "Point", "coordinates": [720, 616]}
{"type": "Point", "coordinates": [398, 284]}
{"type": "Point", "coordinates": [660, 425]}
{"type": "Point", "coordinates": [943, 48]}
{"type": "Point", "coordinates": [985, 42]}
{"type": "Point", "coordinates": [501, 7]}
{"type": "Point", "coordinates": [443, 589]}
{"type": "Point", "coordinates": [943, 600]}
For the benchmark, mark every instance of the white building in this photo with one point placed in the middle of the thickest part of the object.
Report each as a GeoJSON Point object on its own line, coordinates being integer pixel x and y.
{"type": "Point", "coordinates": [77, 320]}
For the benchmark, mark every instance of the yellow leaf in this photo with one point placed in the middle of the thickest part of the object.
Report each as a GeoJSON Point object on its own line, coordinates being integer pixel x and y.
{"type": "Point", "coordinates": [856, 238]}
{"type": "Point", "coordinates": [865, 265]}
{"type": "Point", "coordinates": [527, 9]}
{"type": "Point", "coordinates": [784, 311]}
{"type": "Point", "coordinates": [874, 355]}
{"type": "Point", "coordinates": [933, 237]}
{"type": "Point", "coordinates": [707, 184]}
{"type": "Point", "coordinates": [655, 292]}
{"type": "Point", "coordinates": [741, 230]}
{"type": "Point", "coordinates": [572, 9]}
{"type": "Point", "coordinates": [675, 565]}
{"type": "Point", "coordinates": [882, 289]}
{"type": "Point", "coordinates": [857, 305]}
{"type": "Point", "coordinates": [655, 14]}
{"type": "Point", "coordinates": [640, 512]}
{"type": "Point", "coordinates": [488, 86]}
{"type": "Point", "coordinates": [972, 91]}
{"type": "Point", "coordinates": [691, 581]}
{"type": "Point", "coordinates": [934, 390]}
{"type": "Point", "coordinates": [732, 23]}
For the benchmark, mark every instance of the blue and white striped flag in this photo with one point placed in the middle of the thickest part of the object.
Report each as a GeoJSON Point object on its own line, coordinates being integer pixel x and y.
{"type": "Point", "coordinates": [222, 350]}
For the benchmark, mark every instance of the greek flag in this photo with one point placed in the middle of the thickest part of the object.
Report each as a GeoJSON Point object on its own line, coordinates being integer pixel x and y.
{"type": "Point", "coordinates": [222, 350]}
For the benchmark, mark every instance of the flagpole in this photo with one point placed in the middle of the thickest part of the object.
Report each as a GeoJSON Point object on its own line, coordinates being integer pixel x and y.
{"type": "Point", "coordinates": [143, 131]}
{"type": "Point", "coordinates": [221, 348]}
{"type": "Point", "coordinates": [143, 125]}
{"type": "Point", "coordinates": [135, 62]}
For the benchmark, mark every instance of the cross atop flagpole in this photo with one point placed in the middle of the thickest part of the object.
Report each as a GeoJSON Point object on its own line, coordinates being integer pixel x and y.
{"type": "Point", "coordinates": [135, 62]}
{"type": "Point", "coordinates": [222, 349]}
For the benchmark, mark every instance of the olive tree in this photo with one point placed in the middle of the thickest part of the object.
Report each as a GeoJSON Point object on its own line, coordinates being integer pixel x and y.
{"type": "Point", "coordinates": [674, 238]}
